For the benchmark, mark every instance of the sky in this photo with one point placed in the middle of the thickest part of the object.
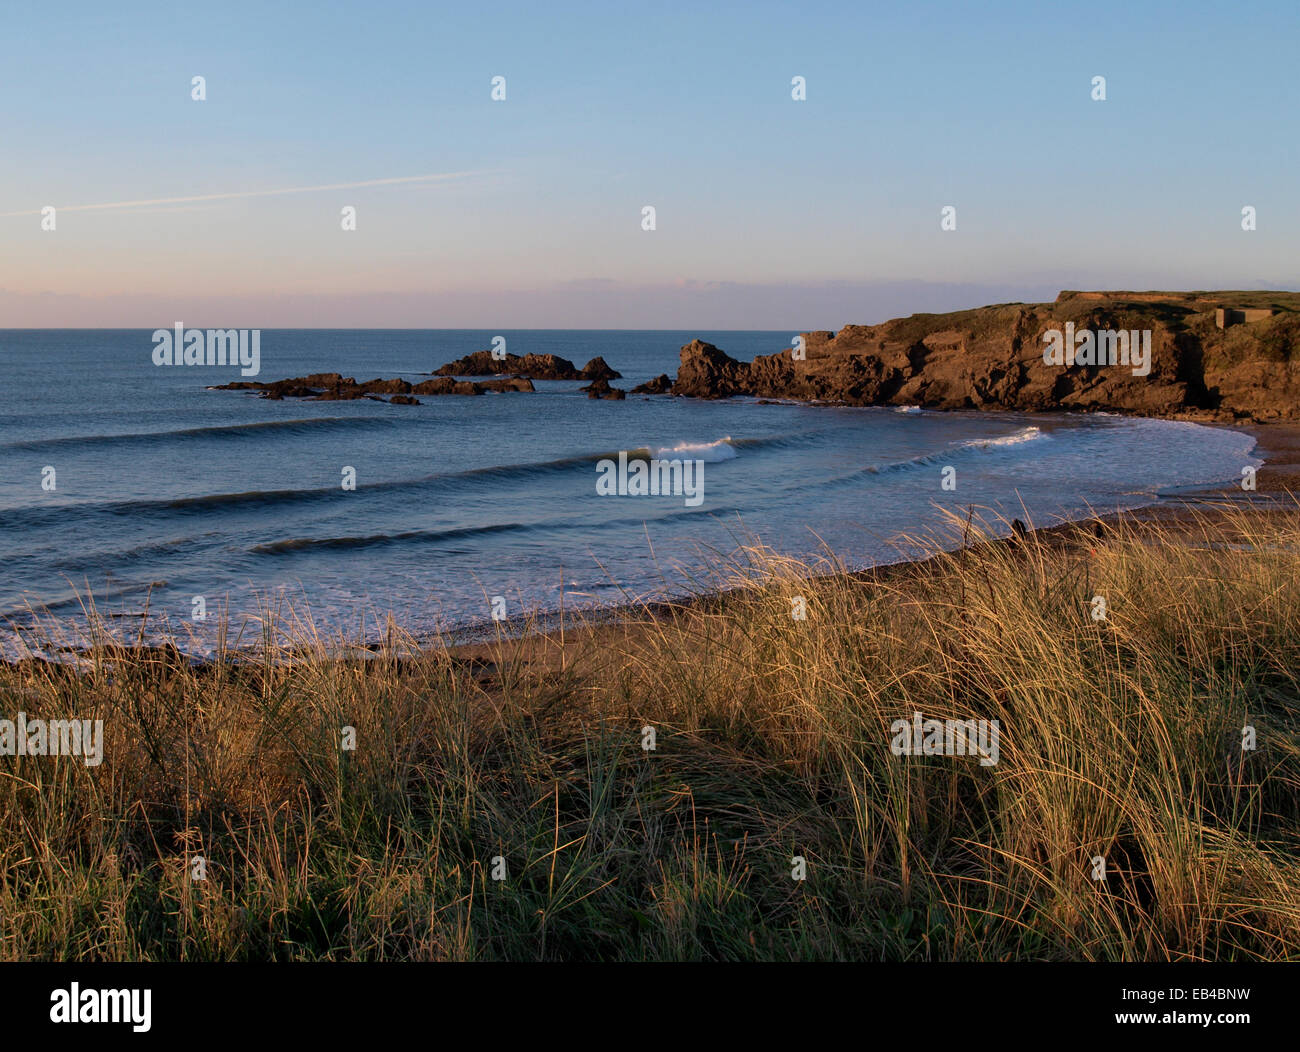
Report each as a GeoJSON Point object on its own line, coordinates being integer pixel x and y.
{"type": "Point", "coordinates": [770, 213]}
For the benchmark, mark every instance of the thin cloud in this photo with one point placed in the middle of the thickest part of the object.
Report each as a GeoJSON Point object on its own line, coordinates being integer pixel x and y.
{"type": "Point", "coordinates": [254, 193]}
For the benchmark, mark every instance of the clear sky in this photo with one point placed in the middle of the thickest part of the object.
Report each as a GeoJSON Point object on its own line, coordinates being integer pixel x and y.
{"type": "Point", "coordinates": [771, 213]}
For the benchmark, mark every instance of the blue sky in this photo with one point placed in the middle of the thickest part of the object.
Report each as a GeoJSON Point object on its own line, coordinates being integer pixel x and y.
{"type": "Point", "coordinates": [771, 213]}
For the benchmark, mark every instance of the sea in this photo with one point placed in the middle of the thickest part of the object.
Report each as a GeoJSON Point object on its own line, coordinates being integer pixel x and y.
{"type": "Point", "coordinates": [133, 495]}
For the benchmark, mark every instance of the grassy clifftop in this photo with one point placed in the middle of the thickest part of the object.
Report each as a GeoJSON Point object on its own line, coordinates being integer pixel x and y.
{"type": "Point", "coordinates": [992, 356]}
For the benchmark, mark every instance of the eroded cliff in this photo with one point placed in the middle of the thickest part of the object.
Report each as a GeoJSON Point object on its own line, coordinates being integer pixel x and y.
{"type": "Point", "coordinates": [993, 358]}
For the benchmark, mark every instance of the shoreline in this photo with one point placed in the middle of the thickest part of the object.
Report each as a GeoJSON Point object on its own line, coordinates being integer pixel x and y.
{"type": "Point", "coordinates": [1277, 444]}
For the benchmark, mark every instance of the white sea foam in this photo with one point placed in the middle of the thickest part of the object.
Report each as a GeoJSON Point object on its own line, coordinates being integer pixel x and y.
{"type": "Point", "coordinates": [709, 452]}
{"type": "Point", "coordinates": [1026, 434]}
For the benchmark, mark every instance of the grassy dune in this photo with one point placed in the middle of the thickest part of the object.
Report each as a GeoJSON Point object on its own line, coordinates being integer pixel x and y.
{"type": "Point", "coordinates": [1120, 738]}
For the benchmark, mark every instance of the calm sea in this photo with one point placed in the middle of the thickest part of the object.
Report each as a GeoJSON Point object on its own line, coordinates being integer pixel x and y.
{"type": "Point", "coordinates": [165, 491]}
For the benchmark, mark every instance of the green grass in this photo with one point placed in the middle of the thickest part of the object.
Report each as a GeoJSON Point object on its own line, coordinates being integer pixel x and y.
{"type": "Point", "coordinates": [1119, 738]}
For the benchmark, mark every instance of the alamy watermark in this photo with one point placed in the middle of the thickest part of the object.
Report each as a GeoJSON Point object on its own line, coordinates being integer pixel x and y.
{"type": "Point", "coordinates": [921, 737]}
{"type": "Point", "coordinates": [24, 737]}
{"type": "Point", "coordinates": [182, 346]}
{"type": "Point", "coordinates": [75, 1005]}
{"type": "Point", "coordinates": [651, 478]}
{"type": "Point", "coordinates": [1104, 347]}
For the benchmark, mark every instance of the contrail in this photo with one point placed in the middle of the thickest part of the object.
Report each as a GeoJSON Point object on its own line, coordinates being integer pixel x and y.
{"type": "Point", "coordinates": [252, 193]}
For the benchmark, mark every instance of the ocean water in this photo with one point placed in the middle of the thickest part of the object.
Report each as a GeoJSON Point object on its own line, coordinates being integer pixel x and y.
{"type": "Point", "coordinates": [165, 491]}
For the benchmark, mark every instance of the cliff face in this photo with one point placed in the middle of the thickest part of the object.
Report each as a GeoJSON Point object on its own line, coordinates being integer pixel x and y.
{"type": "Point", "coordinates": [993, 358]}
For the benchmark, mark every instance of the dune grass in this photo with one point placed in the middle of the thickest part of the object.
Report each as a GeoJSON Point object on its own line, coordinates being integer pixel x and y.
{"type": "Point", "coordinates": [1119, 738]}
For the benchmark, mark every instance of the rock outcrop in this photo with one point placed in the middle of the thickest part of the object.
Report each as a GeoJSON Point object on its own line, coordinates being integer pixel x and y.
{"type": "Point", "coordinates": [600, 389]}
{"type": "Point", "coordinates": [597, 369]}
{"type": "Point", "coordinates": [993, 358]}
{"type": "Point", "coordinates": [531, 366]}
{"type": "Point", "coordinates": [508, 383]}
{"type": "Point", "coordinates": [707, 372]}
{"type": "Point", "coordinates": [334, 387]}
{"type": "Point", "coordinates": [661, 384]}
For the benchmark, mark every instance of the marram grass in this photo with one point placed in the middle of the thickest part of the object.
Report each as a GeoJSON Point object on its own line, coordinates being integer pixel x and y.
{"type": "Point", "coordinates": [1120, 739]}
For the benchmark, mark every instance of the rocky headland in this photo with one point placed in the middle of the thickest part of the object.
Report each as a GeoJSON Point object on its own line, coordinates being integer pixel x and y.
{"type": "Point", "coordinates": [1229, 356]}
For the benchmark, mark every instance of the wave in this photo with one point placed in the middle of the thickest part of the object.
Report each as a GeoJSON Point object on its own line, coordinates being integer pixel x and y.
{"type": "Point", "coordinates": [719, 450]}
{"type": "Point", "coordinates": [306, 426]}
{"type": "Point", "coordinates": [90, 560]}
{"type": "Point", "coordinates": [708, 452]}
{"type": "Point", "coordinates": [348, 543]}
{"type": "Point", "coordinates": [300, 544]}
{"type": "Point", "coordinates": [1026, 434]}
{"type": "Point", "coordinates": [711, 452]}
{"type": "Point", "coordinates": [76, 597]}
